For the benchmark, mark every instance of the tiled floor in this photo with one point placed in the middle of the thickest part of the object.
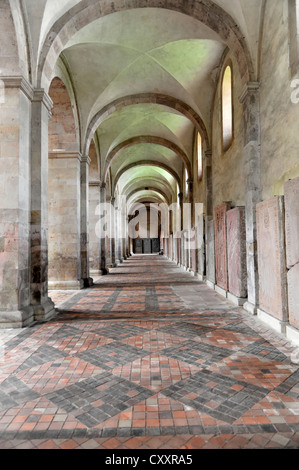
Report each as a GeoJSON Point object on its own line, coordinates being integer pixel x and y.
{"type": "Point", "coordinates": [148, 358]}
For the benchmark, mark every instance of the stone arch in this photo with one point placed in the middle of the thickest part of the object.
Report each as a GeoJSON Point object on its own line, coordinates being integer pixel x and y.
{"type": "Point", "coordinates": [148, 179]}
{"type": "Point", "coordinates": [146, 163]}
{"type": "Point", "coordinates": [148, 140]}
{"type": "Point", "coordinates": [205, 11]}
{"type": "Point", "coordinates": [150, 188]}
{"type": "Point", "coordinates": [13, 55]}
{"type": "Point", "coordinates": [152, 98]}
{"type": "Point", "coordinates": [63, 134]}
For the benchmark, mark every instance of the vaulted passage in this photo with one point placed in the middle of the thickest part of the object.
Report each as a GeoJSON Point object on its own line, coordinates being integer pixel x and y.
{"type": "Point", "coordinates": [149, 357]}
{"type": "Point", "coordinates": [149, 222]}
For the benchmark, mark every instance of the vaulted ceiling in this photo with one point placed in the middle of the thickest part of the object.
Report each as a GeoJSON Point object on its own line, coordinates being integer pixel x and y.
{"type": "Point", "coordinates": [129, 71]}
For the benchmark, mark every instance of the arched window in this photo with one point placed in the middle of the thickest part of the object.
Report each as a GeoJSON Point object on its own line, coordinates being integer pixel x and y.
{"type": "Point", "coordinates": [227, 109]}
{"type": "Point", "coordinates": [199, 156]}
{"type": "Point", "coordinates": [294, 35]}
{"type": "Point", "coordinates": [186, 181]}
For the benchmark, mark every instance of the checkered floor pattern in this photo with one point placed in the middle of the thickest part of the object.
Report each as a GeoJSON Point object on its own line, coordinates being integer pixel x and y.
{"type": "Point", "coordinates": [129, 364]}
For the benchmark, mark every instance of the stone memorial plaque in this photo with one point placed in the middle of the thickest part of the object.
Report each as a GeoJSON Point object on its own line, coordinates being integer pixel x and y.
{"type": "Point", "coordinates": [236, 252]}
{"type": "Point", "coordinates": [193, 249]}
{"type": "Point", "coordinates": [291, 197]}
{"type": "Point", "coordinates": [220, 245]}
{"type": "Point", "coordinates": [210, 248]}
{"type": "Point", "coordinates": [271, 258]}
{"type": "Point", "coordinates": [293, 295]}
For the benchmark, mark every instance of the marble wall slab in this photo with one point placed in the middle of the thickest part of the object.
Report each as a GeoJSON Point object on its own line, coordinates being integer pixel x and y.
{"type": "Point", "coordinates": [210, 250]}
{"type": "Point", "coordinates": [293, 295]}
{"type": "Point", "coordinates": [220, 245]}
{"type": "Point", "coordinates": [236, 252]}
{"type": "Point", "coordinates": [291, 197]}
{"type": "Point", "coordinates": [271, 258]}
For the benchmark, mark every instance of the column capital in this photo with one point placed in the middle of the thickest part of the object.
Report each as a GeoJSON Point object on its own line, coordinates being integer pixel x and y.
{"type": "Point", "coordinates": [94, 184]}
{"type": "Point", "coordinates": [62, 154]}
{"type": "Point", "coordinates": [249, 88]}
{"type": "Point", "coordinates": [40, 96]}
{"type": "Point", "coordinates": [103, 185]}
{"type": "Point", "coordinates": [86, 159]}
{"type": "Point", "coordinates": [18, 82]}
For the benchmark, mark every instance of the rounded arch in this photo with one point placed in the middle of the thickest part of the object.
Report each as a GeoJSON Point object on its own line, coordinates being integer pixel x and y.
{"type": "Point", "coordinates": [147, 139]}
{"type": "Point", "coordinates": [145, 163]}
{"type": "Point", "coordinates": [86, 11]}
{"type": "Point", "coordinates": [150, 189]}
{"type": "Point", "coordinates": [13, 54]}
{"type": "Point", "coordinates": [145, 181]}
{"type": "Point", "coordinates": [63, 136]}
{"type": "Point", "coordinates": [153, 98]}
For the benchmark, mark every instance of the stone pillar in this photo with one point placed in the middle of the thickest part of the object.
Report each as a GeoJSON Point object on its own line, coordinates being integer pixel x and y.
{"type": "Point", "coordinates": [209, 220]}
{"type": "Point", "coordinates": [208, 180]}
{"type": "Point", "coordinates": [43, 306]}
{"type": "Point", "coordinates": [94, 240]}
{"type": "Point", "coordinates": [102, 233]}
{"type": "Point", "coordinates": [112, 233]}
{"type": "Point", "coordinates": [236, 255]}
{"type": "Point", "coordinates": [210, 257]}
{"type": "Point", "coordinates": [221, 248]}
{"type": "Point", "coordinates": [15, 117]}
{"type": "Point", "coordinates": [64, 221]}
{"type": "Point", "coordinates": [250, 98]}
{"type": "Point", "coordinates": [119, 232]}
{"type": "Point", "coordinates": [84, 222]}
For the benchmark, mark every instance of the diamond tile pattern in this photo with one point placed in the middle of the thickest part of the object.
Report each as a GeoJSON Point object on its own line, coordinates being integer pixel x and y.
{"type": "Point", "coordinates": [127, 364]}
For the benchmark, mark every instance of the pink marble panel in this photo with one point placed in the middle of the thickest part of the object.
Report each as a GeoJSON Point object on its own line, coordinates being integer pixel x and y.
{"type": "Point", "coordinates": [220, 245]}
{"type": "Point", "coordinates": [271, 258]}
{"type": "Point", "coordinates": [291, 195]}
{"type": "Point", "coordinates": [293, 295]}
{"type": "Point", "coordinates": [236, 252]}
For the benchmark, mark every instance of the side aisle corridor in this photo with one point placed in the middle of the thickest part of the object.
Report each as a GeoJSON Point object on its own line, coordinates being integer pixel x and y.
{"type": "Point", "coordinates": [149, 358]}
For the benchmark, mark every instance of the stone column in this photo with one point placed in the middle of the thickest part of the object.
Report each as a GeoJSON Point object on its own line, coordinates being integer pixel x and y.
{"type": "Point", "coordinates": [208, 180]}
{"type": "Point", "coordinates": [84, 222]}
{"type": "Point", "coordinates": [102, 233]}
{"type": "Point", "coordinates": [43, 306]}
{"type": "Point", "coordinates": [64, 221]}
{"type": "Point", "coordinates": [112, 232]}
{"type": "Point", "coordinates": [118, 228]}
{"type": "Point", "coordinates": [15, 117]}
{"type": "Point", "coordinates": [250, 98]}
{"type": "Point", "coordinates": [209, 220]}
{"type": "Point", "coordinates": [94, 240]}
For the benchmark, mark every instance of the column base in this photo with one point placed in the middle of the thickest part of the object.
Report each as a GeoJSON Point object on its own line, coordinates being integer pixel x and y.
{"type": "Point", "coordinates": [210, 284]}
{"type": "Point", "coordinates": [221, 291]}
{"type": "Point", "coordinates": [105, 271]}
{"type": "Point", "coordinates": [95, 272]}
{"type": "Point", "coordinates": [277, 325]}
{"type": "Point", "coordinates": [66, 285]}
{"type": "Point", "coordinates": [292, 334]}
{"type": "Point", "coordinates": [87, 282]}
{"type": "Point", "coordinates": [44, 312]}
{"type": "Point", "coordinates": [17, 318]}
{"type": "Point", "coordinates": [238, 301]}
{"type": "Point", "coordinates": [250, 308]}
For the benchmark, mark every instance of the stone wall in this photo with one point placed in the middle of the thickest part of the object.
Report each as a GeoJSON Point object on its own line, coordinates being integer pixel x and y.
{"type": "Point", "coordinates": [279, 116]}
{"type": "Point", "coordinates": [227, 168]}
